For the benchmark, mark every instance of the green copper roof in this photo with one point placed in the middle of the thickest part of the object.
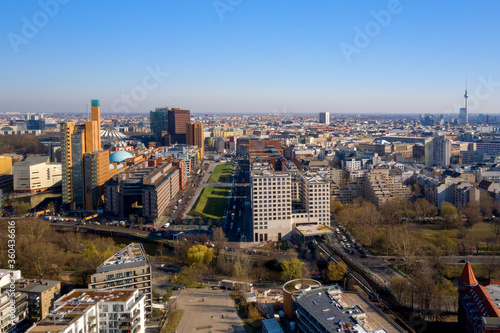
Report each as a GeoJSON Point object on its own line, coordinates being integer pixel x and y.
{"type": "Point", "coordinates": [96, 102]}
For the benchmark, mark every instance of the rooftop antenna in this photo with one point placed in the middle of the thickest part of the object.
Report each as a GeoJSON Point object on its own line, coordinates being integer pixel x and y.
{"type": "Point", "coordinates": [87, 111]}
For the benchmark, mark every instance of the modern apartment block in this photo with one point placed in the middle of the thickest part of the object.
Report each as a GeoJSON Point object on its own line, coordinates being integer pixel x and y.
{"type": "Point", "coordinates": [315, 200]}
{"type": "Point", "coordinates": [380, 187]}
{"type": "Point", "coordinates": [36, 174]}
{"type": "Point", "coordinates": [194, 136]}
{"type": "Point", "coordinates": [7, 323]}
{"type": "Point", "coordinates": [82, 164]}
{"type": "Point", "coordinates": [127, 269]}
{"type": "Point", "coordinates": [96, 311]}
{"type": "Point", "coordinates": [274, 210]}
{"type": "Point", "coordinates": [41, 296]}
{"type": "Point", "coordinates": [151, 188]}
{"type": "Point", "coordinates": [438, 151]}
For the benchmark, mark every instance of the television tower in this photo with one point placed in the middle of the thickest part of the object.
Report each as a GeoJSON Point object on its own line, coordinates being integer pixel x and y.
{"type": "Point", "coordinates": [466, 96]}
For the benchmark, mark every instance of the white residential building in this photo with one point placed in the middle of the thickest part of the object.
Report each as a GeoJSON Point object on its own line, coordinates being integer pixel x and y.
{"type": "Point", "coordinates": [95, 311]}
{"type": "Point", "coordinates": [438, 151]}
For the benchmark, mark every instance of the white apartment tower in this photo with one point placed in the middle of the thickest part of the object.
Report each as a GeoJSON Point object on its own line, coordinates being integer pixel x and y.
{"type": "Point", "coordinates": [324, 118]}
{"type": "Point", "coordinates": [437, 151]}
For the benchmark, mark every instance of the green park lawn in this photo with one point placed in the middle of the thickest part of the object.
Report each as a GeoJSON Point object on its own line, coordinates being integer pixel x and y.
{"type": "Point", "coordinates": [210, 204]}
{"type": "Point", "coordinates": [222, 174]}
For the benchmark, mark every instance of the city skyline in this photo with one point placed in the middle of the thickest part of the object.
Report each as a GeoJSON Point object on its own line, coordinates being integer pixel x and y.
{"type": "Point", "coordinates": [242, 57]}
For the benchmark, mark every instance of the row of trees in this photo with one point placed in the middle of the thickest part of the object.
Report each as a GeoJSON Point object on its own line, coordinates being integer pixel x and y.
{"type": "Point", "coordinates": [22, 144]}
{"type": "Point", "coordinates": [44, 253]}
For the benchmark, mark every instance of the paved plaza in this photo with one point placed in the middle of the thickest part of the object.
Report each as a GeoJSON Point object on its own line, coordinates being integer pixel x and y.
{"type": "Point", "coordinates": [207, 310]}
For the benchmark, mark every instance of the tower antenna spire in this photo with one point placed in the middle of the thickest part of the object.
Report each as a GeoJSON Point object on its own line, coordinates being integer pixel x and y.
{"type": "Point", "coordinates": [466, 109]}
{"type": "Point", "coordinates": [87, 111]}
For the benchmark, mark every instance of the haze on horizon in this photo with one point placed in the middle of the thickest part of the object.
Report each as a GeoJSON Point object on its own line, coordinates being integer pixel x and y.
{"type": "Point", "coordinates": [240, 56]}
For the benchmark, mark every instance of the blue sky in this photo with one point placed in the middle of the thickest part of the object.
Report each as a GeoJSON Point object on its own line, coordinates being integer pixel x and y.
{"type": "Point", "coordinates": [240, 56]}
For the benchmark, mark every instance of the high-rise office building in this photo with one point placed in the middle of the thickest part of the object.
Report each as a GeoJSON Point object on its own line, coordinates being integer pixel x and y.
{"type": "Point", "coordinates": [77, 143]}
{"type": "Point", "coordinates": [324, 118]}
{"type": "Point", "coordinates": [194, 136]}
{"type": "Point", "coordinates": [158, 120]}
{"type": "Point", "coordinates": [168, 125]}
{"type": "Point", "coordinates": [177, 121]}
{"type": "Point", "coordinates": [281, 200]}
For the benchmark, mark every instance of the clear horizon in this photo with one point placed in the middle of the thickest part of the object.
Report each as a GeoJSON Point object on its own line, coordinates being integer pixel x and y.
{"type": "Point", "coordinates": [250, 57]}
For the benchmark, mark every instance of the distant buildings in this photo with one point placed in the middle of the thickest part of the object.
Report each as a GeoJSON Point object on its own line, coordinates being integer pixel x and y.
{"type": "Point", "coordinates": [91, 311]}
{"type": "Point", "coordinates": [127, 269]}
{"type": "Point", "coordinates": [194, 136]}
{"type": "Point", "coordinates": [159, 123]}
{"type": "Point", "coordinates": [324, 118]}
{"type": "Point", "coordinates": [36, 174]}
{"type": "Point", "coordinates": [169, 125]}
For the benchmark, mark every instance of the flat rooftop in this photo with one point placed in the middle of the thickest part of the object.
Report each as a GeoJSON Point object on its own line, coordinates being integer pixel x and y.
{"type": "Point", "coordinates": [75, 304]}
{"type": "Point", "coordinates": [132, 255]}
{"type": "Point", "coordinates": [91, 296]}
{"type": "Point", "coordinates": [332, 308]}
{"type": "Point", "coordinates": [313, 230]}
{"type": "Point", "coordinates": [35, 286]}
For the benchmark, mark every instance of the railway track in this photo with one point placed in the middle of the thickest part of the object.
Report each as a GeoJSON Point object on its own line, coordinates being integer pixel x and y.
{"type": "Point", "coordinates": [370, 284]}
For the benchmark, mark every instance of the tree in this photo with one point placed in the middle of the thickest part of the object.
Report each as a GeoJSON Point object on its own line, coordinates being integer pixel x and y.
{"type": "Point", "coordinates": [400, 286]}
{"type": "Point", "coordinates": [495, 225]}
{"type": "Point", "coordinates": [448, 210]}
{"type": "Point", "coordinates": [210, 143]}
{"type": "Point", "coordinates": [424, 208]}
{"type": "Point", "coordinates": [20, 207]}
{"type": "Point", "coordinates": [450, 215]}
{"type": "Point", "coordinates": [336, 271]}
{"type": "Point", "coordinates": [486, 203]}
{"type": "Point", "coordinates": [335, 206]}
{"type": "Point", "coordinates": [292, 269]}
{"type": "Point", "coordinates": [445, 242]}
{"type": "Point", "coordinates": [218, 237]}
{"type": "Point", "coordinates": [199, 254]}
{"type": "Point", "coordinates": [253, 312]}
{"type": "Point", "coordinates": [472, 214]}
